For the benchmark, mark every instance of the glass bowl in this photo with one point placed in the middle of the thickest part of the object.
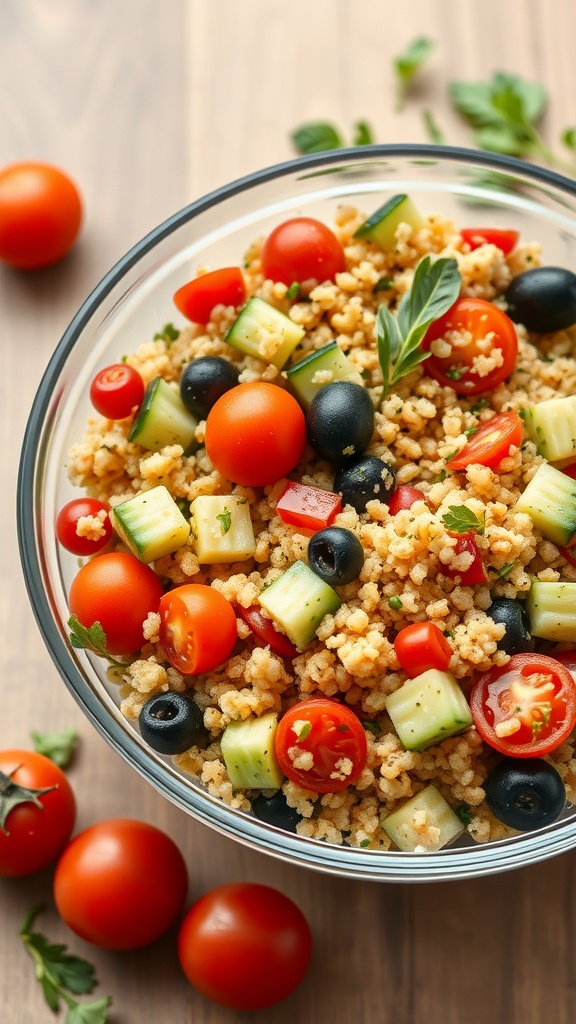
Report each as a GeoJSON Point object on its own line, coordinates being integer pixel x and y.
{"type": "Point", "coordinates": [135, 297]}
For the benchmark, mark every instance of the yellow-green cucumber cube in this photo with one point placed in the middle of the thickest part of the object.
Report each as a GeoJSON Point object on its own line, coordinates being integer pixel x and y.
{"type": "Point", "coordinates": [551, 609]}
{"type": "Point", "coordinates": [248, 752]}
{"type": "Point", "coordinates": [222, 528]}
{"type": "Point", "coordinates": [382, 225]}
{"type": "Point", "coordinates": [264, 332]}
{"type": "Point", "coordinates": [162, 419]}
{"type": "Point", "coordinates": [552, 426]}
{"type": "Point", "coordinates": [297, 601]}
{"type": "Point", "coordinates": [424, 823]}
{"type": "Point", "coordinates": [550, 501]}
{"type": "Point", "coordinates": [150, 524]}
{"type": "Point", "coordinates": [321, 367]}
{"type": "Point", "coordinates": [427, 709]}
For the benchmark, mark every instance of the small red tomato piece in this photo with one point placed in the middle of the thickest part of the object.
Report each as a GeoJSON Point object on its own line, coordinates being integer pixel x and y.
{"type": "Point", "coordinates": [504, 239]}
{"type": "Point", "coordinates": [404, 497]}
{"type": "Point", "coordinates": [197, 628]}
{"type": "Point", "coordinates": [302, 249]}
{"type": "Point", "coordinates": [475, 573]}
{"type": "Point", "coordinates": [310, 508]}
{"type": "Point", "coordinates": [224, 287]}
{"type": "Point", "coordinates": [422, 646]}
{"type": "Point", "coordinates": [265, 631]}
{"type": "Point", "coordinates": [67, 526]}
{"type": "Point", "coordinates": [490, 443]}
{"type": "Point", "coordinates": [116, 391]}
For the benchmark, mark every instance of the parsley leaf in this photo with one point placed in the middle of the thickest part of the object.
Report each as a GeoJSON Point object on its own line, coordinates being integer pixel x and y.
{"type": "Point", "coordinates": [407, 63]}
{"type": "Point", "coordinates": [169, 333]}
{"type": "Point", "coordinates": [58, 746]}
{"type": "Point", "coordinates": [461, 519]}
{"type": "Point", "coordinates": [465, 814]}
{"type": "Point", "coordinates": [92, 639]}
{"type": "Point", "coordinates": [319, 136]}
{"type": "Point", "coordinates": [225, 520]}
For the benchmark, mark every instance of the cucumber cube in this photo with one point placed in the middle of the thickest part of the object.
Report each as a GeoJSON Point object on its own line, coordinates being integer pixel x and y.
{"type": "Point", "coordinates": [297, 601]}
{"type": "Point", "coordinates": [552, 427]}
{"type": "Point", "coordinates": [550, 501]}
{"type": "Point", "coordinates": [412, 827]}
{"type": "Point", "coordinates": [262, 331]}
{"type": "Point", "coordinates": [162, 419]}
{"type": "Point", "coordinates": [248, 752]}
{"type": "Point", "coordinates": [321, 367]}
{"type": "Point", "coordinates": [551, 609]}
{"type": "Point", "coordinates": [382, 225]}
{"type": "Point", "coordinates": [150, 524]}
{"type": "Point", "coordinates": [221, 528]}
{"type": "Point", "coordinates": [428, 709]}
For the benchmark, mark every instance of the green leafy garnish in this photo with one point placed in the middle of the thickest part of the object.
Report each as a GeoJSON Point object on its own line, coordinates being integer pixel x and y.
{"type": "Point", "coordinates": [169, 333]}
{"type": "Point", "coordinates": [92, 639]}
{"type": "Point", "coordinates": [319, 136]}
{"type": "Point", "coordinates": [293, 291]}
{"type": "Point", "coordinates": [407, 63]}
{"type": "Point", "coordinates": [63, 976]}
{"type": "Point", "coordinates": [432, 129]}
{"type": "Point", "coordinates": [465, 814]}
{"type": "Point", "coordinates": [461, 519]}
{"type": "Point", "coordinates": [568, 138]}
{"type": "Point", "coordinates": [435, 288]}
{"type": "Point", "coordinates": [225, 519]}
{"type": "Point", "coordinates": [362, 134]}
{"type": "Point", "coordinates": [58, 746]}
{"type": "Point", "coordinates": [383, 284]}
{"type": "Point", "coordinates": [302, 730]}
{"type": "Point", "coordinates": [506, 569]}
{"type": "Point", "coordinates": [482, 403]}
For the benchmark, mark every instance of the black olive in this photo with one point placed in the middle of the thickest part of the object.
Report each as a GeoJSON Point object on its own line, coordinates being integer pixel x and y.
{"type": "Point", "coordinates": [275, 811]}
{"type": "Point", "coordinates": [340, 421]}
{"type": "Point", "coordinates": [336, 555]}
{"type": "Point", "coordinates": [543, 299]}
{"type": "Point", "coordinates": [365, 479]}
{"type": "Point", "coordinates": [204, 381]}
{"type": "Point", "coordinates": [517, 639]}
{"type": "Point", "coordinates": [171, 722]}
{"type": "Point", "coordinates": [525, 793]}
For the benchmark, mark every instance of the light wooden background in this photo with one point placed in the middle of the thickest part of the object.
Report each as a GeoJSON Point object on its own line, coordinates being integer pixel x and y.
{"type": "Point", "coordinates": [148, 105]}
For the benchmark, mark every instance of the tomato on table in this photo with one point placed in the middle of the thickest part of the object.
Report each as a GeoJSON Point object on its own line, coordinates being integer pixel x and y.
{"type": "Point", "coordinates": [309, 508]}
{"type": "Point", "coordinates": [332, 734]}
{"type": "Point", "coordinates": [67, 526]}
{"type": "Point", "coordinates": [403, 498]}
{"type": "Point", "coordinates": [490, 443]}
{"type": "Point", "coordinates": [504, 239]}
{"type": "Point", "coordinates": [40, 215]}
{"type": "Point", "coordinates": [197, 628]}
{"type": "Point", "coordinates": [37, 812]}
{"type": "Point", "coordinates": [475, 573]}
{"type": "Point", "coordinates": [116, 391]}
{"type": "Point", "coordinates": [245, 946]}
{"type": "Point", "coordinates": [480, 320]}
{"type": "Point", "coordinates": [265, 632]}
{"type": "Point", "coordinates": [422, 646]}
{"type": "Point", "coordinates": [302, 249]}
{"type": "Point", "coordinates": [527, 707]}
{"type": "Point", "coordinates": [223, 287]}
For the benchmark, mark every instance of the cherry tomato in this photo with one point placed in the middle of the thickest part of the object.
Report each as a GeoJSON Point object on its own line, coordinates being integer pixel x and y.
{"type": "Point", "coordinates": [120, 884]}
{"type": "Point", "coordinates": [475, 573]}
{"type": "Point", "coordinates": [333, 735]}
{"type": "Point", "coordinates": [197, 628]}
{"type": "Point", "coordinates": [404, 497]}
{"type": "Point", "coordinates": [255, 434]}
{"type": "Point", "coordinates": [302, 249]}
{"type": "Point", "coordinates": [245, 946]}
{"type": "Point", "coordinates": [67, 526]}
{"type": "Point", "coordinates": [40, 215]}
{"type": "Point", "coordinates": [197, 299]}
{"type": "Point", "coordinates": [503, 238]}
{"type": "Point", "coordinates": [490, 443]}
{"type": "Point", "coordinates": [116, 391]}
{"type": "Point", "coordinates": [481, 320]}
{"type": "Point", "coordinates": [422, 646]}
{"type": "Point", "coordinates": [525, 708]}
{"type": "Point", "coordinates": [118, 591]}
{"type": "Point", "coordinates": [37, 812]}
{"type": "Point", "coordinates": [309, 508]}
{"type": "Point", "coordinates": [265, 631]}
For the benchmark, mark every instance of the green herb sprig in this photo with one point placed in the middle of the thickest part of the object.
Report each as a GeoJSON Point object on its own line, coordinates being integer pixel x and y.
{"type": "Point", "coordinates": [92, 639]}
{"type": "Point", "coordinates": [461, 519]}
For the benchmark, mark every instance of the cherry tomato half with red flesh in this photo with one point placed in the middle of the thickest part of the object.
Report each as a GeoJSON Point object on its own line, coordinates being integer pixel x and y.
{"type": "Point", "coordinates": [478, 318]}
{"type": "Point", "coordinates": [40, 215]}
{"type": "Point", "coordinates": [525, 708]}
{"type": "Point", "coordinates": [117, 391]}
{"type": "Point", "coordinates": [329, 731]}
{"type": "Point", "coordinates": [504, 239]}
{"type": "Point", "coordinates": [223, 287]}
{"type": "Point", "coordinates": [245, 946]}
{"type": "Point", "coordinates": [475, 573]}
{"type": "Point", "coordinates": [120, 884]}
{"type": "Point", "coordinates": [118, 591]}
{"type": "Point", "coordinates": [37, 812]}
{"type": "Point", "coordinates": [265, 632]}
{"type": "Point", "coordinates": [67, 526]}
{"type": "Point", "coordinates": [197, 628]}
{"type": "Point", "coordinates": [404, 497]}
{"type": "Point", "coordinates": [420, 647]}
{"type": "Point", "coordinates": [302, 249]}
{"type": "Point", "coordinates": [491, 443]}
{"type": "Point", "coordinates": [309, 508]}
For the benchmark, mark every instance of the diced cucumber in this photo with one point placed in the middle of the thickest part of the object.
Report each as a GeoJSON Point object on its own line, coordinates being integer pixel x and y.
{"type": "Point", "coordinates": [552, 426]}
{"type": "Point", "coordinates": [412, 826]}
{"type": "Point", "coordinates": [150, 524]}
{"type": "Point", "coordinates": [262, 331]}
{"type": "Point", "coordinates": [551, 609]}
{"type": "Point", "coordinates": [297, 601]}
{"type": "Point", "coordinates": [382, 226]}
{"type": "Point", "coordinates": [162, 419]}
{"type": "Point", "coordinates": [428, 709]}
{"type": "Point", "coordinates": [550, 501]}
{"type": "Point", "coordinates": [318, 368]}
{"type": "Point", "coordinates": [248, 752]}
{"type": "Point", "coordinates": [221, 528]}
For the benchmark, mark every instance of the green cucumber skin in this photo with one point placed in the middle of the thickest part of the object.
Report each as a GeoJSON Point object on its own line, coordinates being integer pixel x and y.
{"type": "Point", "coordinates": [257, 319]}
{"type": "Point", "coordinates": [248, 752]}
{"type": "Point", "coordinates": [298, 600]}
{"type": "Point", "coordinates": [330, 357]}
{"type": "Point", "coordinates": [382, 213]}
{"type": "Point", "coordinates": [428, 709]}
{"type": "Point", "coordinates": [550, 501]}
{"type": "Point", "coordinates": [151, 524]}
{"type": "Point", "coordinates": [162, 419]}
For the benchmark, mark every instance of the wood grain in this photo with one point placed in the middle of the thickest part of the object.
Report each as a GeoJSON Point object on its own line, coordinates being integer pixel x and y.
{"type": "Point", "coordinates": [150, 105]}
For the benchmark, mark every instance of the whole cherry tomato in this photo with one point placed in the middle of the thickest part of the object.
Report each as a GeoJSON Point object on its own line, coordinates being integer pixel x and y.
{"type": "Point", "coordinates": [67, 526]}
{"type": "Point", "coordinates": [37, 812]}
{"type": "Point", "coordinates": [40, 214]}
{"type": "Point", "coordinates": [302, 249]}
{"type": "Point", "coordinates": [116, 391]}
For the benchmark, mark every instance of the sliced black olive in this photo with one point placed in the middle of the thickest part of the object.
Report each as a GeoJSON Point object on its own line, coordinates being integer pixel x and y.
{"type": "Point", "coordinates": [543, 299]}
{"type": "Point", "coordinates": [365, 479]}
{"type": "Point", "coordinates": [275, 811]}
{"type": "Point", "coordinates": [517, 639]}
{"type": "Point", "coordinates": [171, 723]}
{"type": "Point", "coordinates": [525, 793]}
{"type": "Point", "coordinates": [204, 381]}
{"type": "Point", "coordinates": [336, 555]}
{"type": "Point", "coordinates": [340, 421]}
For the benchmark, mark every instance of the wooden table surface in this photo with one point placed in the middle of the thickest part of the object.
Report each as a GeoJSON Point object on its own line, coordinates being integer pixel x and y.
{"type": "Point", "coordinates": [149, 105]}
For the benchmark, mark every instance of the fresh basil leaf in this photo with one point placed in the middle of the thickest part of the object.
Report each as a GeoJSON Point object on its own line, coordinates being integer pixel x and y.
{"type": "Point", "coordinates": [473, 100]}
{"type": "Point", "coordinates": [461, 519]}
{"type": "Point", "coordinates": [316, 137]}
{"type": "Point", "coordinates": [435, 288]}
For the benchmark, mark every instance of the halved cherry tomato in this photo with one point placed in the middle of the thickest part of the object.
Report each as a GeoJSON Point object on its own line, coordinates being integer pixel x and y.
{"type": "Point", "coordinates": [67, 526]}
{"type": "Point", "coordinates": [504, 238]}
{"type": "Point", "coordinates": [525, 708]}
{"type": "Point", "coordinates": [404, 497]}
{"type": "Point", "coordinates": [311, 508]}
{"type": "Point", "coordinates": [331, 734]}
{"type": "Point", "coordinates": [224, 287]}
{"type": "Point", "coordinates": [476, 572]}
{"type": "Point", "coordinates": [421, 646]}
{"type": "Point", "coordinates": [301, 249]}
{"type": "Point", "coordinates": [116, 391]}
{"type": "Point", "coordinates": [265, 631]}
{"type": "Point", "coordinates": [197, 628]}
{"type": "Point", "coordinates": [40, 214]}
{"type": "Point", "coordinates": [489, 329]}
{"type": "Point", "coordinates": [490, 443]}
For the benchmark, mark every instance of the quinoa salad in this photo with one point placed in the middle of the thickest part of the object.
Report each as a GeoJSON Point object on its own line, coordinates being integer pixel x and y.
{"type": "Point", "coordinates": [458, 533]}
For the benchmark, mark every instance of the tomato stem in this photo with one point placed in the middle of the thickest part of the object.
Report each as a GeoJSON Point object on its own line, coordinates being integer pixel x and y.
{"type": "Point", "coordinates": [11, 795]}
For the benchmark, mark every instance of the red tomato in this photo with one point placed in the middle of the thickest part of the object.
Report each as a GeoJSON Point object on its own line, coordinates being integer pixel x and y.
{"type": "Point", "coordinates": [120, 884]}
{"type": "Point", "coordinates": [116, 391]}
{"type": "Point", "coordinates": [300, 250]}
{"type": "Point", "coordinates": [490, 443]}
{"type": "Point", "coordinates": [245, 946]}
{"type": "Point", "coordinates": [525, 708]}
{"type": "Point", "coordinates": [308, 507]}
{"type": "Point", "coordinates": [255, 434]}
{"type": "Point", "coordinates": [504, 238]}
{"type": "Point", "coordinates": [475, 572]}
{"type": "Point", "coordinates": [329, 731]}
{"type": "Point", "coordinates": [570, 470]}
{"type": "Point", "coordinates": [192, 641]}
{"type": "Point", "coordinates": [37, 812]}
{"type": "Point", "coordinates": [422, 646]}
{"type": "Point", "coordinates": [197, 299]}
{"type": "Point", "coordinates": [265, 631]}
{"type": "Point", "coordinates": [118, 591]}
{"type": "Point", "coordinates": [404, 497]}
{"type": "Point", "coordinates": [480, 319]}
{"type": "Point", "coordinates": [40, 215]}
{"type": "Point", "coordinates": [67, 523]}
